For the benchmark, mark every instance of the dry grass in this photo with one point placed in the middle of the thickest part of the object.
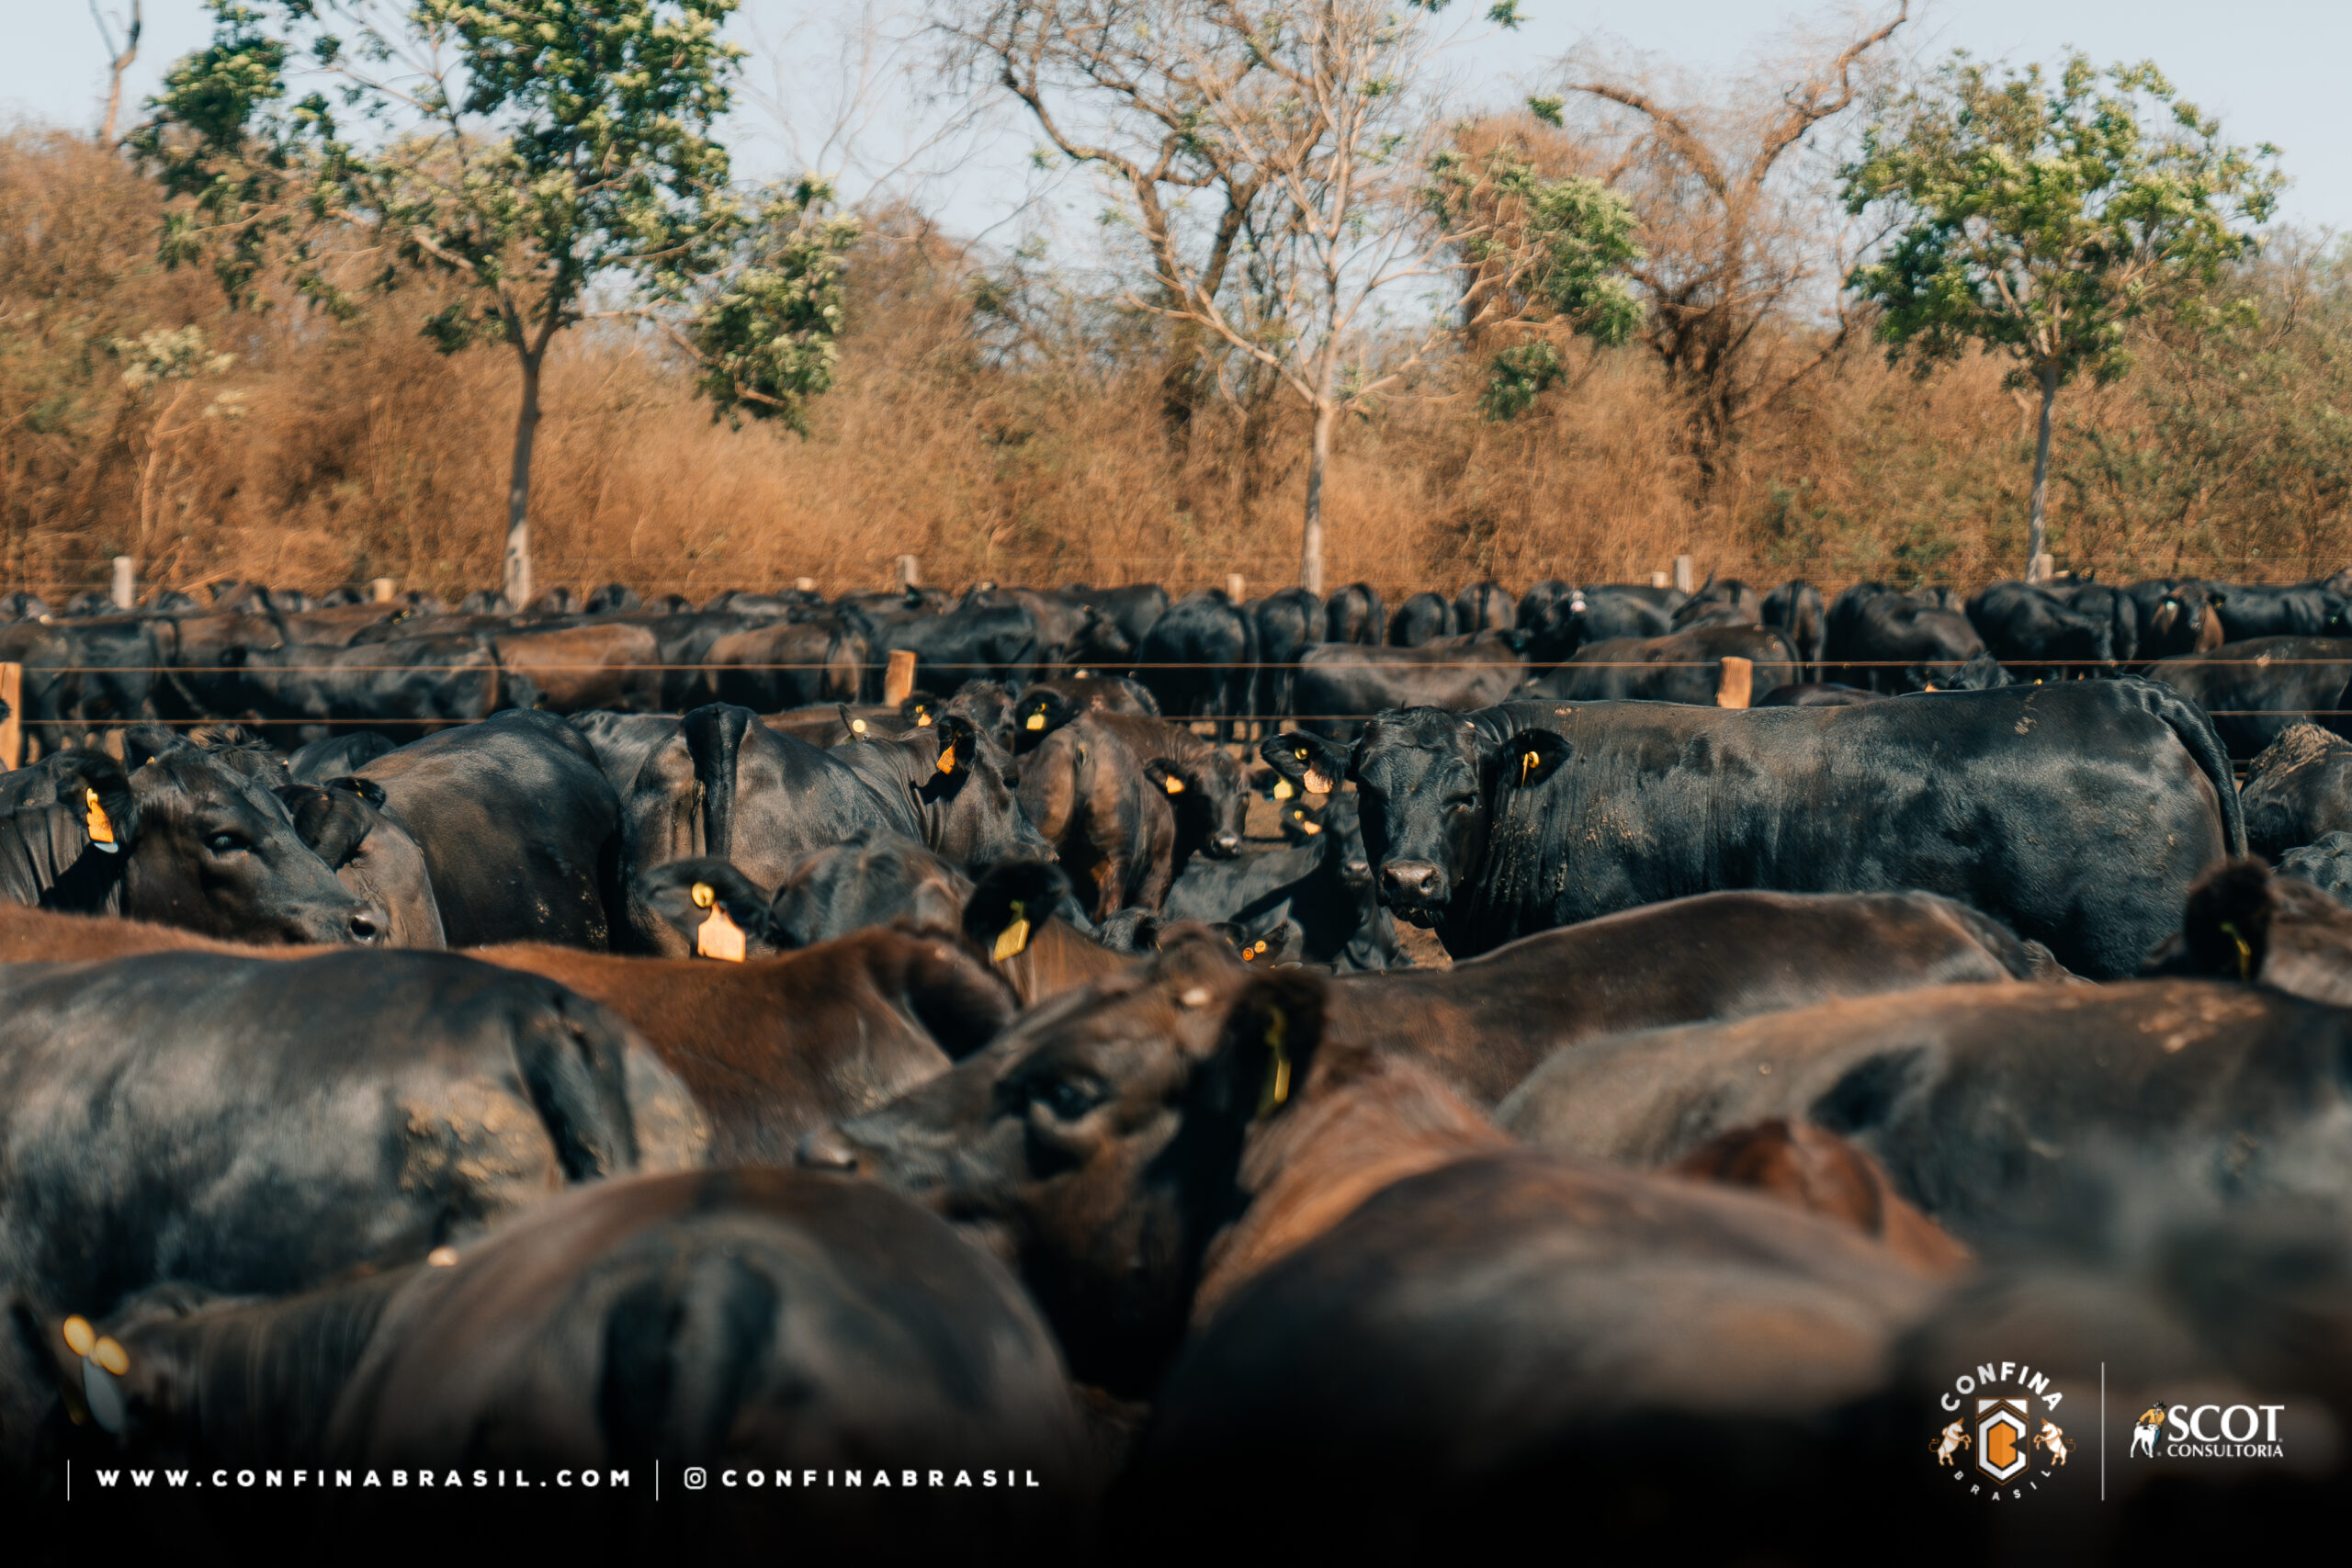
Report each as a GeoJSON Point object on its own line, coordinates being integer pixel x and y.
{"type": "Point", "coordinates": [357, 451]}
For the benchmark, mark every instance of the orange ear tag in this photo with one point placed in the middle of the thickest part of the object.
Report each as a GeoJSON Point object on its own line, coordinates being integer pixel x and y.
{"type": "Point", "coordinates": [720, 937]}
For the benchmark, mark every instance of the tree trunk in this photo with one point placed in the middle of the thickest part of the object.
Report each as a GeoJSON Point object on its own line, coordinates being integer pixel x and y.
{"type": "Point", "coordinates": [2035, 530]}
{"type": "Point", "coordinates": [518, 489]}
{"type": "Point", "coordinates": [1310, 539]}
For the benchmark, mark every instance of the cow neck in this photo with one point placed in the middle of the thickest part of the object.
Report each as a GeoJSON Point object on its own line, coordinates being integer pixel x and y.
{"type": "Point", "coordinates": [1365, 1120]}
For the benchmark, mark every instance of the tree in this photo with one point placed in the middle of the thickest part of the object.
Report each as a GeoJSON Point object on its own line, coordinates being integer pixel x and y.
{"type": "Point", "coordinates": [1732, 246]}
{"type": "Point", "coordinates": [1313, 129]}
{"type": "Point", "coordinates": [2039, 219]}
{"type": "Point", "coordinates": [546, 160]}
{"type": "Point", "coordinates": [118, 61]}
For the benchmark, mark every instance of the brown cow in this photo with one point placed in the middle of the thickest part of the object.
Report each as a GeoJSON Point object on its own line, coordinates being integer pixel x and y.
{"type": "Point", "coordinates": [610, 665]}
{"type": "Point", "coordinates": [775, 1048]}
{"type": "Point", "coordinates": [1814, 1169]}
{"type": "Point", "coordinates": [1113, 832]}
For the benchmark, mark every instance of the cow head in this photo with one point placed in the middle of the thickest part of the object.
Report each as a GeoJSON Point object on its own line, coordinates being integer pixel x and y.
{"type": "Point", "coordinates": [1096, 1145]}
{"type": "Point", "coordinates": [1098, 640]}
{"type": "Point", "coordinates": [218, 853]}
{"type": "Point", "coordinates": [693, 902]}
{"type": "Point", "coordinates": [1210, 795]}
{"type": "Point", "coordinates": [1041, 711]}
{"type": "Point", "coordinates": [1422, 778]}
{"type": "Point", "coordinates": [973, 781]}
{"type": "Point", "coordinates": [874, 880]}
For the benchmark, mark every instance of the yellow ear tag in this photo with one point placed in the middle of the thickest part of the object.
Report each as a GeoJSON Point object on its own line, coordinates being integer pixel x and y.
{"type": "Point", "coordinates": [1014, 937]}
{"type": "Point", "coordinates": [1037, 721]}
{"type": "Point", "coordinates": [1277, 1089]}
{"type": "Point", "coordinates": [947, 758]}
{"type": "Point", "coordinates": [719, 937]}
{"type": "Point", "coordinates": [94, 818]}
{"type": "Point", "coordinates": [857, 727]}
{"type": "Point", "coordinates": [922, 719]}
{"type": "Point", "coordinates": [705, 894]}
{"type": "Point", "coordinates": [1283, 790]}
{"type": "Point", "coordinates": [1526, 766]}
{"type": "Point", "coordinates": [2245, 953]}
{"type": "Point", "coordinates": [1174, 785]}
{"type": "Point", "coordinates": [111, 1356]}
{"type": "Point", "coordinates": [80, 1337]}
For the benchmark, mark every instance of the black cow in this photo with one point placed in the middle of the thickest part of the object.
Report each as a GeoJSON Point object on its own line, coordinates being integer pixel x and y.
{"type": "Point", "coordinates": [2254, 690]}
{"type": "Point", "coordinates": [1422, 618]}
{"type": "Point", "coordinates": [725, 784]}
{"type": "Point", "coordinates": [875, 879]}
{"type": "Point", "coordinates": [2076, 816]}
{"type": "Point", "coordinates": [1113, 829]}
{"type": "Point", "coordinates": [249, 1125]}
{"type": "Point", "coordinates": [689, 897]}
{"type": "Point", "coordinates": [2317, 608]}
{"type": "Point", "coordinates": [1288, 623]}
{"type": "Point", "coordinates": [2297, 791]}
{"type": "Point", "coordinates": [1355, 615]}
{"type": "Point", "coordinates": [1046, 706]}
{"type": "Point", "coordinates": [1204, 784]}
{"type": "Point", "coordinates": [323, 760]}
{"type": "Point", "coordinates": [1319, 891]}
{"type": "Point", "coordinates": [519, 826]}
{"type": "Point", "coordinates": [754, 1320]}
{"type": "Point", "coordinates": [1484, 607]}
{"type": "Point", "coordinates": [86, 674]}
{"type": "Point", "coordinates": [1796, 609]}
{"type": "Point", "coordinates": [1197, 660]}
{"type": "Point", "coordinates": [1608, 610]}
{"type": "Point", "coordinates": [958, 780]}
{"type": "Point", "coordinates": [2096, 603]}
{"type": "Point", "coordinates": [1131, 612]}
{"type": "Point", "coordinates": [1885, 641]}
{"type": "Point", "coordinates": [2325, 863]}
{"type": "Point", "coordinates": [343, 822]}
{"type": "Point", "coordinates": [2031, 630]}
{"type": "Point", "coordinates": [970, 642]}
{"type": "Point", "coordinates": [787, 664]}
{"type": "Point", "coordinates": [1686, 667]}
{"type": "Point", "coordinates": [2175, 616]}
{"type": "Point", "coordinates": [1340, 684]}
{"type": "Point", "coordinates": [2236, 1091]}
{"type": "Point", "coordinates": [1730, 602]}
{"type": "Point", "coordinates": [411, 687]}
{"type": "Point", "coordinates": [203, 846]}
{"type": "Point", "coordinates": [1818, 694]}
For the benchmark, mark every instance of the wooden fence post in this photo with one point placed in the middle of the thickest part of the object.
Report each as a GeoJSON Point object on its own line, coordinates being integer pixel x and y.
{"type": "Point", "coordinates": [899, 681]}
{"type": "Point", "coordinates": [12, 716]}
{"type": "Point", "coordinates": [380, 591]}
{"type": "Point", "coordinates": [125, 585]}
{"type": "Point", "coordinates": [1684, 577]}
{"type": "Point", "coordinates": [805, 584]}
{"type": "Point", "coordinates": [1657, 580]}
{"type": "Point", "coordinates": [1738, 681]}
{"type": "Point", "coordinates": [910, 576]}
{"type": "Point", "coordinates": [1236, 587]}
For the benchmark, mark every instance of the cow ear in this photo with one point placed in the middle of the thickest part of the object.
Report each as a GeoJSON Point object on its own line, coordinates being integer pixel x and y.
{"type": "Point", "coordinates": [1271, 1033]}
{"type": "Point", "coordinates": [1165, 777]}
{"type": "Point", "coordinates": [1531, 756]}
{"type": "Point", "coordinates": [851, 725]}
{"type": "Point", "coordinates": [1307, 761]}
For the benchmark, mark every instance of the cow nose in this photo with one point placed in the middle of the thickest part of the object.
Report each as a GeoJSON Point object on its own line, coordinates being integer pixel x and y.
{"type": "Point", "coordinates": [365, 927]}
{"type": "Point", "coordinates": [1415, 879]}
{"type": "Point", "coordinates": [1229, 844]}
{"type": "Point", "coordinates": [826, 1149]}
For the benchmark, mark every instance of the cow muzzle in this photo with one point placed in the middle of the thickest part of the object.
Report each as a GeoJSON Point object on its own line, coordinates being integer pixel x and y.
{"type": "Point", "coordinates": [826, 1149]}
{"type": "Point", "coordinates": [1416, 889]}
{"type": "Point", "coordinates": [1224, 846]}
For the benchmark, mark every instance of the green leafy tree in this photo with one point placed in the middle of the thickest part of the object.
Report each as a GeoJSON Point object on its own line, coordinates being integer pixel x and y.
{"type": "Point", "coordinates": [549, 160]}
{"type": "Point", "coordinates": [2039, 219]}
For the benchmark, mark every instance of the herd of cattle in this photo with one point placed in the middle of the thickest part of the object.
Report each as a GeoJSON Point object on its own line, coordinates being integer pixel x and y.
{"type": "Point", "coordinates": [607, 1039]}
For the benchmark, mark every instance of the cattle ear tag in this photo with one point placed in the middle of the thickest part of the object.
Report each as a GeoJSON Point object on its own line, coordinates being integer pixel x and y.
{"type": "Point", "coordinates": [1277, 1086]}
{"type": "Point", "coordinates": [1312, 827]}
{"type": "Point", "coordinates": [1035, 721]}
{"type": "Point", "coordinates": [704, 895]}
{"type": "Point", "coordinates": [2245, 953]}
{"type": "Point", "coordinates": [720, 937]}
{"type": "Point", "coordinates": [947, 758]}
{"type": "Point", "coordinates": [94, 817]}
{"type": "Point", "coordinates": [80, 1337]}
{"type": "Point", "coordinates": [1527, 765]}
{"type": "Point", "coordinates": [857, 727]}
{"type": "Point", "coordinates": [1173, 784]}
{"type": "Point", "coordinates": [1011, 941]}
{"type": "Point", "coordinates": [1283, 790]}
{"type": "Point", "coordinates": [922, 719]}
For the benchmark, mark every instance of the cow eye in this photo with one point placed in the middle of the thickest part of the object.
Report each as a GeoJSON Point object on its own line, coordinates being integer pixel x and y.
{"type": "Point", "coordinates": [226, 843]}
{"type": "Point", "coordinates": [1067, 1099]}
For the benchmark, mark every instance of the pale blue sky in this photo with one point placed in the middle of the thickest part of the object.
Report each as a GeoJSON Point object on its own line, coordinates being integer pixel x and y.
{"type": "Point", "coordinates": [2272, 69]}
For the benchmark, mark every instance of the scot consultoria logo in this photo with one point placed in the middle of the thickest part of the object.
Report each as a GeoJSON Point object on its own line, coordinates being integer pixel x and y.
{"type": "Point", "coordinates": [2000, 1439]}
